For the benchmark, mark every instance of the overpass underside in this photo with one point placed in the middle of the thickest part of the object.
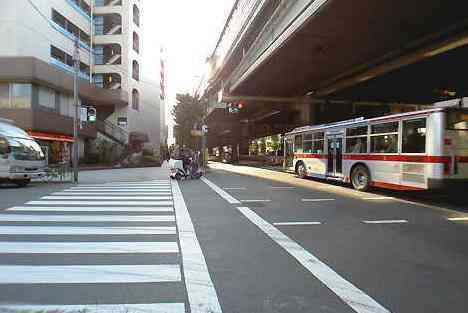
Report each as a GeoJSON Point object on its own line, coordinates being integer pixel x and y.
{"type": "Point", "coordinates": [352, 58]}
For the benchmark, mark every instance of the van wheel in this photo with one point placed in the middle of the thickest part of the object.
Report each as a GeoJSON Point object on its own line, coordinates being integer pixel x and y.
{"type": "Point", "coordinates": [22, 182]}
{"type": "Point", "coordinates": [360, 178]}
{"type": "Point", "coordinates": [301, 170]}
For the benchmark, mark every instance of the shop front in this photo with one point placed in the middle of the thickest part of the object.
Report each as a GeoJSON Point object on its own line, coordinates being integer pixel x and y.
{"type": "Point", "coordinates": [57, 147]}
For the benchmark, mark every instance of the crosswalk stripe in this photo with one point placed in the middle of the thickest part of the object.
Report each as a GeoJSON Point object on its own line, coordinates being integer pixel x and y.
{"type": "Point", "coordinates": [103, 203]}
{"type": "Point", "coordinates": [107, 197]}
{"type": "Point", "coordinates": [62, 230]}
{"type": "Point", "coordinates": [90, 209]}
{"type": "Point", "coordinates": [85, 218]}
{"type": "Point", "coordinates": [99, 308]}
{"type": "Point", "coordinates": [124, 185]}
{"type": "Point", "coordinates": [118, 189]}
{"type": "Point", "coordinates": [87, 247]}
{"type": "Point", "coordinates": [110, 193]}
{"type": "Point", "coordinates": [88, 274]}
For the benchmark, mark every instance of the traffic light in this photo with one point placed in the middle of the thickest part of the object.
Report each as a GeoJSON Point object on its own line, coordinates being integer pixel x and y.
{"type": "Point", "coordinates": [235, 108]}
{"type": "Point", "coordinates": [92, 115]}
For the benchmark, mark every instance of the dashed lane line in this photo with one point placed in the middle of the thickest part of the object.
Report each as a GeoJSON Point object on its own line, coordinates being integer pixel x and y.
{"type": "Point", "coordinates": [296, 223]}
{"type": "Point", "coordinates": [255, 200]}
{"type": "Point", "coordinates": [386, 222]}
{"type": "Point", "coordinates": [316, 200]}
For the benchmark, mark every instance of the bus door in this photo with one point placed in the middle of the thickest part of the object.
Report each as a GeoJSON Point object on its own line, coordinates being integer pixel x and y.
{"type": "Point", "coordinates": [335, 155]}
{"type": "Point", "coordinates": [288, 153]}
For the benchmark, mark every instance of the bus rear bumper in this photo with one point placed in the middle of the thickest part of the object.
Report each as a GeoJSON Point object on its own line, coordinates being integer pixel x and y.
{"type": "Point", "coordinates": [26, 175]}
{"type": "Point", "coordinates": [447, 183]}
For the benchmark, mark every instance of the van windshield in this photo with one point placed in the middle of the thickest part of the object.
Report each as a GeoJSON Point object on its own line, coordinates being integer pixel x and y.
{"type": "Point", "coordinates": [25, 149]}
{"type": "Point", "coordinates": [457, 120]}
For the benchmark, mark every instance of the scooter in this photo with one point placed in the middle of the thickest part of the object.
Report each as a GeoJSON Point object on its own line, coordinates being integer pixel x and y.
{"type": "Point", "coordinates": [178, 171]}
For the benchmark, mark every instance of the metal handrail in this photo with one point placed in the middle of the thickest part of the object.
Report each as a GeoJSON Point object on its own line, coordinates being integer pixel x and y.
{"type": "Point", "coordinates": [112, 130]}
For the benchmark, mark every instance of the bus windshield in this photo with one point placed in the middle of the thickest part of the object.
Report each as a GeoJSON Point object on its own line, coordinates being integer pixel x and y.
{"type": "Point", "coordinates": [457, 120]}
{"type": "Point", "coordinates": [25, 149]}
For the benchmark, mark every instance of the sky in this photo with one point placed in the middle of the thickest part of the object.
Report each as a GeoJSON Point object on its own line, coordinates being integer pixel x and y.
{"type": "Point", "coordinates": [188, 31]}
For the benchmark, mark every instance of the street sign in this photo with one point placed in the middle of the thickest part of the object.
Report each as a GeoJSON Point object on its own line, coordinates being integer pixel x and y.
{"type": "Point", "coordinates": [205, 129]}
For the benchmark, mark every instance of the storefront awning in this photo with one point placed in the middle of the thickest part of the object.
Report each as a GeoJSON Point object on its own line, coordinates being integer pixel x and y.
{"type": "Point", "coordinates": [50, 136]}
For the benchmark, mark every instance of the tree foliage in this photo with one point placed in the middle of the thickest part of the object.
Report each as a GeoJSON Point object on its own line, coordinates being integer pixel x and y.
{"type": "Point", "coordinates": [188, 112]}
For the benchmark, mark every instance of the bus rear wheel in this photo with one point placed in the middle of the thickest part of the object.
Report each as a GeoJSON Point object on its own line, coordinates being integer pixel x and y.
{"type": "Point", "coordinates": [360, 178]}
{"type": "Point", "coordinates": [301, 170]}
{"type": "Point", "coordinates": [22, 182]}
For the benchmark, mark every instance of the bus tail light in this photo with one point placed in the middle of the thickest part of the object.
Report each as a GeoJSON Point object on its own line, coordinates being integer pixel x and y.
{"type": "Point", "coordinates": [447, 167]}
{"type": "Point", "coordinates": [448, 141]}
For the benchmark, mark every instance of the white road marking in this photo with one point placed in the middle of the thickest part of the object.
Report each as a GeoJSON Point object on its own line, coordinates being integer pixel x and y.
{"type": "Point", "coordinates": [91, 209]}
{"type": "Point", "coordinates": [110, 193]}
{"type": "Point", "coordinates": [120, 188]}
{"type": "Point", "coordinates": [316, 200]}
{"type": "Point", "coordinates": [61, 230]}
{"type": "Point", "coordinates": [234, 188]}
{"type": "Point", "coordinates": [386, 222]}
{"type": "Point", "coordinates": [296, 223]}
{"type": "Point", "coordinates": [103, 203]}
{"type": "Point", "coordinates": [251, 201]}
{"type": "Point", "coordinates": [201, 293]}
{"type": "Point", "coordinates": [128, 184]}
{"type": "Point", "coordinates": [99, 308]}
{"type": "Point", "coordinates": [107, 198]}
{"type": "Point", "coordinates": [350, 294]}
{"type": "Point", "coordinates": [88, 274]}
{"type": "Point", "coordinates": [282, 187]}
{"type": "Point", "coordinates": [455, 219]}
{"type": "Point", "coordinates": [85, 218]}
{"type": "Point", "coordinates": [220, 191]}
{"type": "Point", "coordinates": [378, 198]}
{"type": "Point", "coordinates": [87, 247]}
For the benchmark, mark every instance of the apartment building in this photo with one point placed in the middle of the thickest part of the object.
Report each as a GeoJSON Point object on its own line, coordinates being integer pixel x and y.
{"type": "Point", "coordinates": [36, 80]}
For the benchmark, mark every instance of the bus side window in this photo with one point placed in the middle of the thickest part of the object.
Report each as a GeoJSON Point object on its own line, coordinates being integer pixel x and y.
{"type": "Point", "coordinates": [298, 143]}
{"type": "Point", "coordinates": [414, 136]}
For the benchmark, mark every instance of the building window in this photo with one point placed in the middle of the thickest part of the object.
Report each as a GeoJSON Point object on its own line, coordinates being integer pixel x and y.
{"type": "Point", "coordinates": [135, 100]}
{"type": "Point", "coordinates": [107, 54]}
{"type": "Point", "coordinates": [136, 42]}
{"type": "Point", "coordinates": [99, 55]}
{"type": "Point", "coordinates": [414, 136]}
{"type": "Point", "coordinates": [99, 25]}
{"type": "Point", "coordinates": [70, 28]}
{"type": "Point", "coordinates": [136, 70]}
{"type": "Point", "coordinates": [99, 80]}
{"type": "Point", "coordinates": [46, 98]}
{"type": "Point", "coordinates": [136, 15]}
{"type": "Point", "coordinates": [21, 95]}
{"type": "Point", "coordinates": [4, 95]}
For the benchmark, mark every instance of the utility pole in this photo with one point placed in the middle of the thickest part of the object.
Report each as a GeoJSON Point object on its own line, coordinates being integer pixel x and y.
{"type": "Point", "coordinates": [75, 157]}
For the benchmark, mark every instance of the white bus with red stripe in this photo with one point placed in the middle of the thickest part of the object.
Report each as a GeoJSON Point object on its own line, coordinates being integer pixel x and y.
{"type": "Point", "coordinates": [409, 151]}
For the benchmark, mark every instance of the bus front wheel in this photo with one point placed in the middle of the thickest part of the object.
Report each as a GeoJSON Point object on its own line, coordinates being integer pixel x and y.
{"type": "Point", "coordinates": [360, 178]}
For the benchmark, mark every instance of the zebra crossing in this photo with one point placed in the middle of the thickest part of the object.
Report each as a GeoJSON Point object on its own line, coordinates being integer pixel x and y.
{"type": "Point", "coordinates": [104, 248]}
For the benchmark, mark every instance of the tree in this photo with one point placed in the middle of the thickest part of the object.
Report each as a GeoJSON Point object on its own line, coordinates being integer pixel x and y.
{"type": "Point", "coordinates": [188, 112]}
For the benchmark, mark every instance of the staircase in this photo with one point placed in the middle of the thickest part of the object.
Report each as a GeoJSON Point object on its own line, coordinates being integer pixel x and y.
{"type": "Point", "coordinates": [112, 131]}
{"type": "Point", "coordinates": [113, 59]}
{"type": "Point", "coordinates": [113, 3]}
{"type": "Point", "coordinates": [114, 30]}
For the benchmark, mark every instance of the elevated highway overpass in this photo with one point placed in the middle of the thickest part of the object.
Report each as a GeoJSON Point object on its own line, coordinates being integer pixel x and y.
{"type": "Point", "coordinates": [308, 61]}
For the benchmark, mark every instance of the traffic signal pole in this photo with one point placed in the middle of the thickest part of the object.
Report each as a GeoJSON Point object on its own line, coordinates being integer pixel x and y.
{"type": "Point", "coordinates": [75, 150]}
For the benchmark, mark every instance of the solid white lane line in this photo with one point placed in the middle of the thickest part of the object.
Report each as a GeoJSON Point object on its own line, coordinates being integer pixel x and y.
{"type": "Point", "coordinates": [234, 188]}
{"type": "Point", "coordinates": [296, 223]}
{"type": "Point", "coordinates": [99, 308]}
{"type": "Point", "coordinates": [259, 200]}
{"type": "Point", "coordinates": [87, 247]}
{"type": "Point", "coordinates": [107, 198]}
{"type": "Point", "coordinates": [103, 203]}
{"type": "Point", "coordinates": [85, 218]}
{"type": "Point", "coordinates": [88, 274]}
{"type": "Point", "coordinates": [316, 200]}
{"type": "Point", "coordinates": [282, 187]}
{"type": "Point", "coordinates": [350, 294]}
{"type": "Point", "coordinates": [220, 191]}
{"type": "Point", "coordinates": [377, 198]}
{"type": "Point", "coordinates": [386, 222]}
{"type": "Point", "coordinates": [201, 293]}
{"type": "Point", "coordinates": [91, 209]}
{"type": "Point", "coordinates": [111, 193]}
{"type": "Point", "coordinates": [454, 219]}
{"type": "Point", "coordinates": [63, 230]}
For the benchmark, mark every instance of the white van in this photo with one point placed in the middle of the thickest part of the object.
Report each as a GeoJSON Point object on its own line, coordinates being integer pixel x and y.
{"type": "Point", "coordinates": [21, 158]}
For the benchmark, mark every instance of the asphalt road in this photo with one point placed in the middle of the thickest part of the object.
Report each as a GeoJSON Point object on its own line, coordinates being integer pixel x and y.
{"type": "Point", "coordinates": [243, 240]}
